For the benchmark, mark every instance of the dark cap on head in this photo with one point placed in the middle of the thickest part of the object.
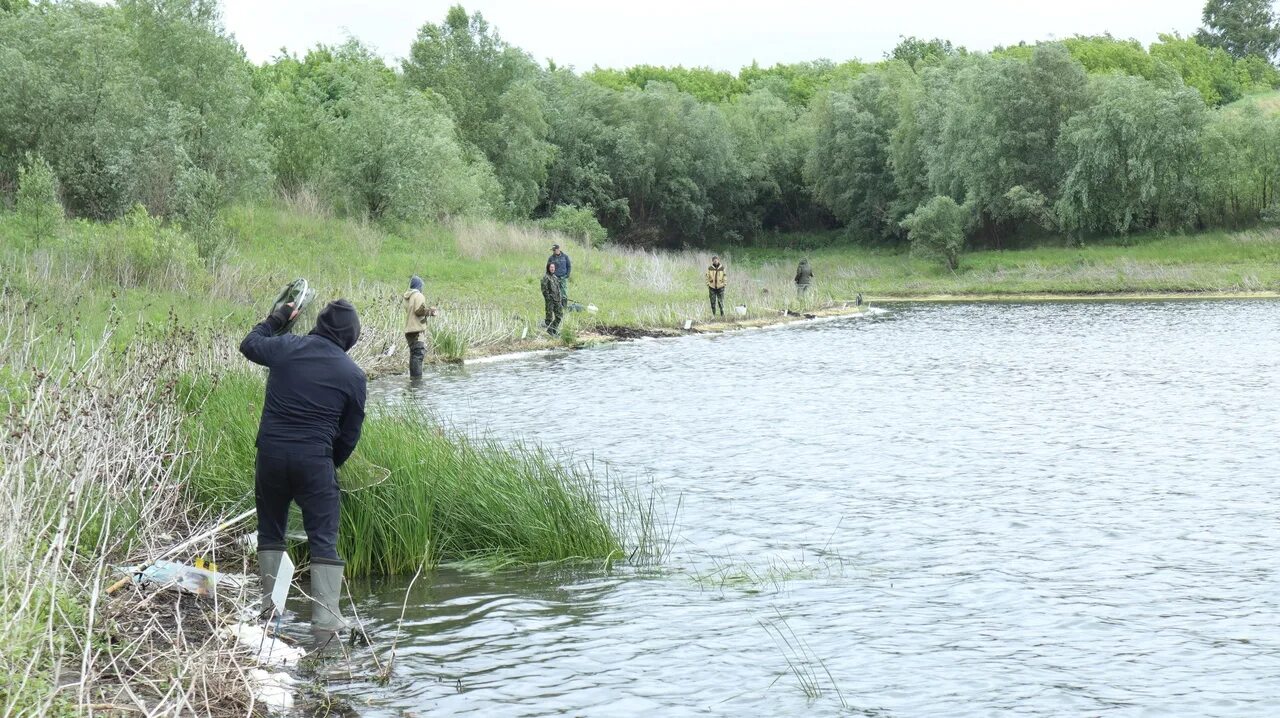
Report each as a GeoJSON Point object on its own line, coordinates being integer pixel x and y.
{"type": "Point", "coordinates": [339, 324]}
{"type": "Point", "coordinates": [555, 246]}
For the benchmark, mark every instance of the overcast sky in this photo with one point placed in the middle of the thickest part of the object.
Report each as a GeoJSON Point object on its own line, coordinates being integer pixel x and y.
{"type": "Point", "coordinates": [723, 34]}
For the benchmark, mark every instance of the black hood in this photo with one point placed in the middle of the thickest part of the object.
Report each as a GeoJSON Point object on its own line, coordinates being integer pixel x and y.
{"type": "Point", "coordinates": [339, 324]}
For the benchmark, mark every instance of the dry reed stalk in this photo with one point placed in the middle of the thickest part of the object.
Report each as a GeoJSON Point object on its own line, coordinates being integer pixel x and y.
{"type": "Point", "coordinates": [89, 482]}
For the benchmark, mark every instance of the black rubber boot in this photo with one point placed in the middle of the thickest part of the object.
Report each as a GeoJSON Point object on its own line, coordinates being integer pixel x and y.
{"type": "Point", "coordinates": [417, 352]}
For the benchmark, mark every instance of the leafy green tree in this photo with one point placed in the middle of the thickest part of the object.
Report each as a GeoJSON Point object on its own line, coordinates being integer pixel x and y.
{"type": "Point", "coordinates": [1210, 70]}
{"type": "Point", "coordinates": [848, 166]}
{"type": "Point", "coordinates": [577, 222]}
{"type": "Point", "coordinates": [523, 155]}
{"type": "Point", "coordinates": [69, 92]}
{"type": "Point", "coordinates": [797, 83]}
{"type": "Point", "coordinates": [465, 61]}
{"type": "Point", "coordinates": [1101, 54]}
{"type": "Point", "coordinates": [1242, 28]}
{"type": "Point", "coordinates": [583, 121]}
{"type": "Point", "coordinates": [991, 124]}
{"type": "Point", "coordinates": [1240, 169]}
{"type": "Point", "coordinates": [919, 53]}
{"type": "Point", "coordinates": [397, 157]}
{"type": "Point", "coordinates": [704, 83]}
{"type": "Point", "coordinates": [38, 206]}
{"type": "Point", "coordinates": [303, 106]}
{"type": "Point", "coordinates": [937, 228]}
{"type": "Point", "coordinates": [202, 77]}
{"type": "Point", "coordinates": [1131, 157]}
{"type": "Point", "coordinates": [772, 142]}
{"type": "Point", "coordinates": [675, 161]}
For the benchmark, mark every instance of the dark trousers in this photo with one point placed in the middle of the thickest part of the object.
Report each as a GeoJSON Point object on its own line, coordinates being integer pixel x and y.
{"type": "Point", "coordinates": [554, 314]}
{"type": "Point", "coordinates": [717, 298]}
{"type": "Point", "coordinates": [310, 480]}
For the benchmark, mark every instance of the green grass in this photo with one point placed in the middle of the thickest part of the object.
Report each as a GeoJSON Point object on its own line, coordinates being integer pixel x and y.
{"type": "Point", "coordinates": [413, 494]}
{"type": "Point", "coordinates": [484, 276]}
{"type": "Point", "coordinates": [1268, 102]}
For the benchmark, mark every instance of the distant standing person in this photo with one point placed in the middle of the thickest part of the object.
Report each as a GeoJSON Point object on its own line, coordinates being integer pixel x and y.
{"type": "Point", "coordinates": [804, 277]}
{"type": "Point", "coordinates": [416, 312]}
{"type": "Point", "coordinates": [563, 268]}
{"type": "Point", "coordinates": [715, 285]}
{"type": "Point", "coordinates": [552, 297]}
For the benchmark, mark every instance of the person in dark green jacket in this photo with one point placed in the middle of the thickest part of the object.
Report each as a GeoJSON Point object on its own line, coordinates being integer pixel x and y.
{"type": "Point", "coordinates": [804, 277]}
{"type": "Point", "coordinates": [552, 297]}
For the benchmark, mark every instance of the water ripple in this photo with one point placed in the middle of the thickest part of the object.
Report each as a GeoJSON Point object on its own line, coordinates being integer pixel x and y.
{"type": "Point", "coordinates": [1041, 509]}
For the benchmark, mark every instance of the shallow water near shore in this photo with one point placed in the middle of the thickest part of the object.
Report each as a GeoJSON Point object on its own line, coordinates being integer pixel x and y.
{"type": "Point", "coordinates": [966, 509]}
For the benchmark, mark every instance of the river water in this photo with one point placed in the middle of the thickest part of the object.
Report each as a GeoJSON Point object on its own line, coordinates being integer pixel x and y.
{"type": "Point", "coordinates": [971, 509]}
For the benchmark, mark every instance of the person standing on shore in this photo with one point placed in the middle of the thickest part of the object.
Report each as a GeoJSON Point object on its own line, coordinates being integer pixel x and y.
{"type": "Point", "coordinates": [563, 268]}
{"type": "Point", "coordinates": [416, 312]}
{"type": "Point", "coordinates": [311, 421]}
{"type": "Point", "coordinates": [553, 299]}
{"type": "Point", "coordinates": [715, 285]}
{"type": "Point", "coordinates": [804, 277]}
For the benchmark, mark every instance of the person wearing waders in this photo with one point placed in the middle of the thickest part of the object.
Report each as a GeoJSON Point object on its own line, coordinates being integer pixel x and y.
{"type": "Point", "coordinates": [310, 424]}
{"type": "Point", "coordinates": [552, 297]}
{"type": "Point", "coordinates": [563, 268]}
{"type": "Point", "coordinates": [715, 285]}
{"type": "Point", "coordinates": [804, 277]}
{"type": "Point", "coordinates": [416, 312]}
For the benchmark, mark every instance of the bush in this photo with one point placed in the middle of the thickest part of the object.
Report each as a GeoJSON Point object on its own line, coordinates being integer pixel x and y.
{"type": "Point", "coordinates": [38, 206]}
{"type": "Point", "coordinates": [936, 230]}
{"type": "Point", "coordinates": [139, 250]}
{"type": "Point", "coordinates": [576, 222]}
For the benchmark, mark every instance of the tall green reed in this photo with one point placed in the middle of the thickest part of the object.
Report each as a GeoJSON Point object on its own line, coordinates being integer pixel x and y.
{"type": "Point", "coordinates": [416, 495]}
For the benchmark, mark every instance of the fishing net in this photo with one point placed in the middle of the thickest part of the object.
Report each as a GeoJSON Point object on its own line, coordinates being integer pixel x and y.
{"type": "Point", "coordinates": [301, 295]}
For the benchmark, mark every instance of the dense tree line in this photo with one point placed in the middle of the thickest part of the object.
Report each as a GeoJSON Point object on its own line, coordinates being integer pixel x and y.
{"type": "Point", "coordinates": [151, 103]}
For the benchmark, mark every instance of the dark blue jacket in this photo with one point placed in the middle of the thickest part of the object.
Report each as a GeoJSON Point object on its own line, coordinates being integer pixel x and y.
{"type": "Point", "coordinates": [315, 392]}
{"type": "Point", "coordinates": [563, 265]}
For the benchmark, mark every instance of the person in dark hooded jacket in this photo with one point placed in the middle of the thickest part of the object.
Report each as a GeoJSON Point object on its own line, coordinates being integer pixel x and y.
{"type": "Point", "coordinates": [804, 277]}
{"type": "Point", "coordinates": [310, 424]}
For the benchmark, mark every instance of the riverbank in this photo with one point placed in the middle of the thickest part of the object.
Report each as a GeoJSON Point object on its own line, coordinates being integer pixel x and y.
{"type": "Point", "coordinates": [104, 323]}
{"type": "Point", "coordinates": [483, 276]}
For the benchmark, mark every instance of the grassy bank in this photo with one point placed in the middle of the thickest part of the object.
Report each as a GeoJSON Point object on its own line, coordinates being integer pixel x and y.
{"type": "Point", "coordinates": [484, 276]}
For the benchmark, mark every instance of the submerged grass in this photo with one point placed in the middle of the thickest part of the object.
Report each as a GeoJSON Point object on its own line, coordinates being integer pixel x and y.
{"type": "Point", "coordinates": [416, 495]}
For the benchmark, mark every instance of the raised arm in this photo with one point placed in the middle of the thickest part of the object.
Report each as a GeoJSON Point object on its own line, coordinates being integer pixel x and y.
{"type": "Point", "coordinates": [261, 345]}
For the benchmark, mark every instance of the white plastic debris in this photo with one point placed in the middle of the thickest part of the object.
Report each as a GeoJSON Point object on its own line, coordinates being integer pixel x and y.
{"type": "Point", "coordinates": [740, 310]}
{"type": "Point", "coordinates": [269, 650]}
{"type": "Point", "coordinates": [688, 324]}
{"type": "Point", "coordinates": [275, 690]}
{"type": "Point", "coordinates": [592, 309]}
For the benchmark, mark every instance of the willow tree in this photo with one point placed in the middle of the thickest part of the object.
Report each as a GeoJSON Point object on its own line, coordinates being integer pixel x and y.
{"type": "Point", "coordinates": [490, 90]}
{"type": "Point", "coordinates": [1131, 158]}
